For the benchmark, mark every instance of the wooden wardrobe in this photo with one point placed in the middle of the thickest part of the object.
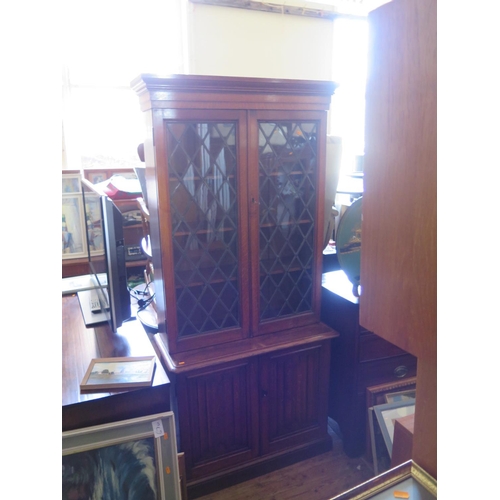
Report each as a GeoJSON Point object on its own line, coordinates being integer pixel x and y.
{"type": "Point", "coordinates": [399, 229]}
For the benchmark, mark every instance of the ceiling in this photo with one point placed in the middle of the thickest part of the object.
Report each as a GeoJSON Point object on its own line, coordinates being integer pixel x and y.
{"type": "Point", "coordinates": [313, 8]}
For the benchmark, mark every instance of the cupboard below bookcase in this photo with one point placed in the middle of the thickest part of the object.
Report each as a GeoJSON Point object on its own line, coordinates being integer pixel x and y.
{"type": "Point", "coordinates": [235, 171]}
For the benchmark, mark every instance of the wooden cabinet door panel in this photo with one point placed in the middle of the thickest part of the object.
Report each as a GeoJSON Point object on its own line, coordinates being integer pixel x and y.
{"type": "Point", "coordinates": [286, 224]}
{"type": "Point", "coordinates": [293, 396]}
{"type": "Point", "coordinates": [201, 179]}
{"type": "Point", "coordinates": [218, 417]}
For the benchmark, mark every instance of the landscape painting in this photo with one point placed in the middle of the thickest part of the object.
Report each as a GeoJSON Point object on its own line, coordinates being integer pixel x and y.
{"type": "Point", "coordinates": [118, 373]}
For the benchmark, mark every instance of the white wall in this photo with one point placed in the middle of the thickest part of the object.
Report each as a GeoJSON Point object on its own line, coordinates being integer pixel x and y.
{"type": "Point", "coordinates": [238, 42]}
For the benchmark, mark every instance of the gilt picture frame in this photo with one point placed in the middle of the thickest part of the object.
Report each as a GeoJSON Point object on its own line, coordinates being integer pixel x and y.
{"type": "Point", "coordinates": [118, 373]}
{"type": "Point", "coordinates": [377, 394]}
{"type": "Point", "coordinates": [407, 477]}
{"type": "Point", "coordinates": [134, 459]}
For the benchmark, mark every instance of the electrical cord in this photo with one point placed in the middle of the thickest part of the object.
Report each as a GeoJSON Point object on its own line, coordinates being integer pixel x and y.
{"type": "Point", "coordinates": [135, 292]}
{"type": "Point", "coordinates": [142, 303]}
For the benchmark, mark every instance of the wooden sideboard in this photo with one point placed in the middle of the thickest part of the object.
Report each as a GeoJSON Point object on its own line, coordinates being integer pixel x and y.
{"type": "Point", "coordinates": [79, 346]}
{"type": "Point", "coordinates": [360, 360]}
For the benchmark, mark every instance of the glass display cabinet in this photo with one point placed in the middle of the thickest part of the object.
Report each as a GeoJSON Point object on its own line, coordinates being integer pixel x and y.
{"type": "Point", "coordinates": [235, 170]}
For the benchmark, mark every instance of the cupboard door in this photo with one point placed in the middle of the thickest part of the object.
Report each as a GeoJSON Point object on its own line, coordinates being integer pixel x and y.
{"type": "Point", "coordinates": [204, 193]}
{"type": "Point", "coordinates": [286, 188]}
{"type": "Point", "coordinates": [218, 417]}
{"type": "Point", "coordinates": [294, 396]}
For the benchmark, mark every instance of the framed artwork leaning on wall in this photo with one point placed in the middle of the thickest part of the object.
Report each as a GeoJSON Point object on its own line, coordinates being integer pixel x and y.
{"type": "Point", "coordinates": [386, 415]}
{"type": "Point", "coordinates": [134, 459]}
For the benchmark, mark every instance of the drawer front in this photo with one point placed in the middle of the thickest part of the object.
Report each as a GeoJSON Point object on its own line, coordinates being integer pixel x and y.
{"type": "Point", "coordinates": [373, 347]}
{"type": "Point", "coordinates": [386, 370]}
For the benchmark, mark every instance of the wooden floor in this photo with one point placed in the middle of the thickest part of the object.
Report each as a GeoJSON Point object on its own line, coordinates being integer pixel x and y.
{"type": "Point", "coordinates": [318, 478]}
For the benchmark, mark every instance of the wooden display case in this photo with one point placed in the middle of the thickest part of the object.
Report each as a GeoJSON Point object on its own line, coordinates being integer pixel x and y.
{"type": "Point", "coordinates": [235, 170]}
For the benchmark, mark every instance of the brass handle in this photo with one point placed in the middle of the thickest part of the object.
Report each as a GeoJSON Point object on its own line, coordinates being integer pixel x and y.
{"type": "Point", "coordinates": [400, 371]}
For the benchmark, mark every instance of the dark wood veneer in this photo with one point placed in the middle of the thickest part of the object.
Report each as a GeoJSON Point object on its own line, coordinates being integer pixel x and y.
{"type": "Point", "coordinates": [399, 257]}
{"type": "Point", "coordinates": [253, 392]}
{"type": "Point", "coordinates": [212, 92]}
{"type": "Point", "coordinates": [79, 346]}
{"type": "Point", "coordinates": [253, 346]}
{"type": "Point", "coordinates": [218, 427]}
{"type": "Point", "coordinates": [360, 359]}
{"type": "Point", "coordinates": [293, 396]}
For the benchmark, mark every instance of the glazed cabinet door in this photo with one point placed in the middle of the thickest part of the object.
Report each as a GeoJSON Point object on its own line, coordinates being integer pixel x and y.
{"type": "Point", "coordinates": [218, 417]}
{"type": "Point", "coordinates": [201, 181]}
{"type": "Point", "coordinates": [294, 396]}
{"type": "Point", "coordinates": [285, 156]}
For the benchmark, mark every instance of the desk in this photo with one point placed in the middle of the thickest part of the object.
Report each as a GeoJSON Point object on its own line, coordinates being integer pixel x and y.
{"type": "Point", "coordinates": [79, 346]}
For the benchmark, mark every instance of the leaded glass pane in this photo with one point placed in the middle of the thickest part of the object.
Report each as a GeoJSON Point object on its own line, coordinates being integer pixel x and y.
{"type": "Point", "coordinates": [287, 192]}
{"type": "Point", "coordinates": [203, 171]}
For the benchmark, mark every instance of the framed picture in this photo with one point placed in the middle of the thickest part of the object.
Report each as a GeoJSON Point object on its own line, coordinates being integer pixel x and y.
{"type": "Point", "coordinates": [134, 459]}
{"type": "Point", "coordinates": [128, 174]}
{"type": "Point", "coordinates": [93, 220]}
{"type": "Point", "coordinates": [386, 415]}
{"type": "Point", "coordinates": [71, 183]}
{"type": "Point", "coordinates": [118, 373]}
{"type": "Point", "coordinates": [96, 177]}
{"type": "Point", "coordinates": [377, 395]}
{"type": "Point", "coordinates": [74, 243]}
{"type": "Point", "coordinates": [73, 228]}
{"type": "Point", "coordinates": [407, 480]}
{"type": "Point", "coordinates": [396, 397]}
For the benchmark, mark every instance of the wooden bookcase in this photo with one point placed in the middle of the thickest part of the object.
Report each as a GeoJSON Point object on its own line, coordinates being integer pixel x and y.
{"type": "Point", "coordinates": [235, 170]}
